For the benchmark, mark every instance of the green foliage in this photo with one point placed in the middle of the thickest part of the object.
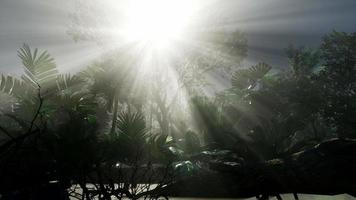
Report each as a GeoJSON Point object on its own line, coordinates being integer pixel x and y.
{"type": "Point", "coordinates": [339, 82]}
{"type": "Point", "coordinates": [39, 67]}
{"type": "Point", "coordinates": [132, 125]}
{"type": "Point", "coordinates": [92, 122]}
{"type": "Point", "coordinates": [302, 60]}
{"type": "Point", "coordinates": [67, 83]}
{"type": "Point", "coordinates": [13, 86]}
{"type": "Point", "coordinates": [338, 49]}
{"type": "Point", "coordinates": [207, 117]}
{"type": "Point", "coordinates": [248, 78]}
{"type": "Point", "coordinates": [281, 113]}
{"type": "Point", "coordinates": [191, 142]}
{"type": "Point", "coordinates": [186, 168]}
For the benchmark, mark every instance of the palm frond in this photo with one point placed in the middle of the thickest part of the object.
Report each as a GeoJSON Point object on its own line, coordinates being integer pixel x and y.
{"type": "Point", "coordinates": [39, 67]}
{"type": "Point", "coordinates": [240, 79]}
{"type": "Point", "coordinates": [259, 70]}
{"type": "Point", "coordinates": [132, 124]}
{"type": "Point", "coordinates": [90, 73]}
{"type": "Point", "coordinates": [12, 86]}
{"type": "Point", "coordinates": [67, 82]}
{"type": "Point", "coordinates": [245, 78]}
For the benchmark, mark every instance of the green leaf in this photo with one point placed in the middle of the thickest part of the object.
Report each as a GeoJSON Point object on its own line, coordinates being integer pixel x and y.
{"type": "Point", "coordinates": [176, 151]}
{"type": "Point", "coordinates": [185, 167]}
{"type": "Point", "coordinates": [91, 119]}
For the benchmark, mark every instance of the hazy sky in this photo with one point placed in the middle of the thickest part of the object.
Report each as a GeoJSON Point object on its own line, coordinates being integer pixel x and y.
{"type": "Point", "coordinates": [270, 26]}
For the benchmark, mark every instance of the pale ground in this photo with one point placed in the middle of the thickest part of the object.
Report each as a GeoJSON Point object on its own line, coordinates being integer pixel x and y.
{"type": "Point", "coordinates": [285, 197]}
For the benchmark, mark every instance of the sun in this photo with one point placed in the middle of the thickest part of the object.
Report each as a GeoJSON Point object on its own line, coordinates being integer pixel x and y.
{"type": "Point", "coordinates": [158, 22]}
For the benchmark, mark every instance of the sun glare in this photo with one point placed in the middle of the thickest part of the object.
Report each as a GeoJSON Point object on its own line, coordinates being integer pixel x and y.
{"type": "Point", "coordinates": [157, 22]}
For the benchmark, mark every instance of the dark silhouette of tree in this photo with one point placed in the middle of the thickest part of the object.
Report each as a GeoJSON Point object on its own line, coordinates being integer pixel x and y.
{"type": "Point", "coordinates": [90, 135]}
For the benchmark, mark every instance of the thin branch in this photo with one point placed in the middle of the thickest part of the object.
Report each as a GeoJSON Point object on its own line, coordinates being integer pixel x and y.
{"type": "Point", "coordinates": [6, 132]}
{"type": "Point", "coordinates": [29, 131]}
{"type": "Point", "coordinates": [40, 98]}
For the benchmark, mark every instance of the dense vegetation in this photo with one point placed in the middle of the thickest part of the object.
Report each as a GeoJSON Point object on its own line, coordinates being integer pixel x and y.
{"type": "Point", "coordinates": [91, 134]}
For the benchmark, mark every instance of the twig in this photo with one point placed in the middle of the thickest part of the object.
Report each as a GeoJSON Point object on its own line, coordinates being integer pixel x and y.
{"type": "Point", "coordinates": [6, 132]}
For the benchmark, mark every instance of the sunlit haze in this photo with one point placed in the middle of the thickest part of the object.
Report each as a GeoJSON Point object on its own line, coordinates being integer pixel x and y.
{"type": "Point", "coordinates": [157, 22]}
{"type": "Point", "coordinates": [177, 99]}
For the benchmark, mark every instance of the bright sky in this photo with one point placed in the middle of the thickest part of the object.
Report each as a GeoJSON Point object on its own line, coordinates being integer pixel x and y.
{"type": "Point", "coordinates": [270, 26]}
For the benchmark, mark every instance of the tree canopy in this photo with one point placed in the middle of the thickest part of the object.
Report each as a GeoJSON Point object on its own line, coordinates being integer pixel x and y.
{"type": "Point", "coordinates": [100, 133]}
